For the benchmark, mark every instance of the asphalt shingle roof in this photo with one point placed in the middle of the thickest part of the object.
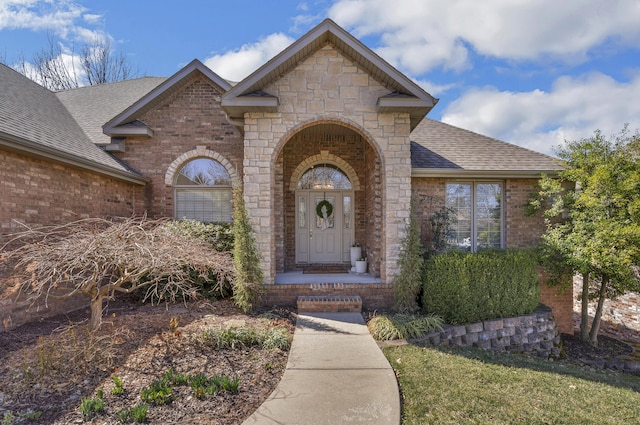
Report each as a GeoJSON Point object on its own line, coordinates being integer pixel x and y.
{"type": "Point", "coordinates": [93, 106]}
{"type": "Point", "coordinates": [436, 145]}
{"type": "Point", "coordinates": [33, 114]}
{"type": "Point", "coordinates": [71, 122]}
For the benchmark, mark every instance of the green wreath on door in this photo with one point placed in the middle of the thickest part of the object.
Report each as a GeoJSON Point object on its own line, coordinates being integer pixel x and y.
{"type": "Point", "coordinates": [327, 205]}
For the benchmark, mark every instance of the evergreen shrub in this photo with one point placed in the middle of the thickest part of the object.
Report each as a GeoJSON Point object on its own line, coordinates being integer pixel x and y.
{"type": "Point", "coordinates": [464, 287]}
{"type": "Point", "coordinates": [218, 235]}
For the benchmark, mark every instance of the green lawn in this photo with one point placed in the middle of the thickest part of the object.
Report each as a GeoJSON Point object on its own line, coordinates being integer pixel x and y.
{"type": "Point", "coordinates": [466, 386]}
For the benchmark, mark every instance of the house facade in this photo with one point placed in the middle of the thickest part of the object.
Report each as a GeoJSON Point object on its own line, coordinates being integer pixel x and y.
{"type": "Point", "coordinates": [330, 142]}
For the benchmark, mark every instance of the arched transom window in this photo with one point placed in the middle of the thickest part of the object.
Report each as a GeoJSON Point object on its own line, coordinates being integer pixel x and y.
{"type": "Point", "coordinates": [324, 177]}
{"type": "Point", "coordinates": [203, 191]}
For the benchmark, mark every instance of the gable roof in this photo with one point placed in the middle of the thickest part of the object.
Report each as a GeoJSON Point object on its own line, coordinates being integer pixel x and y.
{"type": "Point", "coordinates": [439, 149]}
{"type": "Point", "coordinates": [404, 96]}
{"type": "Point", "coordinates": [92, 106]}
{"type": "Point", "coordinates": [34, 121]}
{"type": "Point", "coordinates": [126, 124]}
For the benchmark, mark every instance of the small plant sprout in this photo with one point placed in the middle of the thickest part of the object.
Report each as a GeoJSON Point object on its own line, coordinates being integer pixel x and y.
{"type": "Point", "coordinates": [158, 393]}
{"type": "Point", "coordinates": [91, 407]}
{"type": "Point", "coordinates": [137, 414]}
{"type": "Point", "coordinates": [118, 389]}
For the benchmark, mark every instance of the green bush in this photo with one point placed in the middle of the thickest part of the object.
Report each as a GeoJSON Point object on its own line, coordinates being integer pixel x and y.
{"type": "Point", "coordinates": [218, 235]}
{"type": "Point", "coordinates": [248, 282]}
{"type": "Point", "coordinates": [408, 282]}
{"type": "Point", "coordinates": [403, 326]}
{"type": "Point", "coordinates": [241, 337]}
{"type": "Point", "coordinates": [464, 287]}
{"type": "Point", "coordinates": [211, 286]}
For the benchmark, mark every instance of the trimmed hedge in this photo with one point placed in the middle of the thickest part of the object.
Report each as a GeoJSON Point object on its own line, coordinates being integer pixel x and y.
{"type": "Point", "coordinates": [464, 287]}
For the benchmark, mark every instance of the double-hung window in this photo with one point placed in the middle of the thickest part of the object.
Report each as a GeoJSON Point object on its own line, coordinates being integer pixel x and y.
{"type": "Point", "coordinates": [203, 191]}
{"type": "Point", "coordinates": [475, 215]}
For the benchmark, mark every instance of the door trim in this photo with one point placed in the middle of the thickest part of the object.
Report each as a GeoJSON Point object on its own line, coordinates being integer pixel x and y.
{"type": "Point", "coordinates": [305, 223]}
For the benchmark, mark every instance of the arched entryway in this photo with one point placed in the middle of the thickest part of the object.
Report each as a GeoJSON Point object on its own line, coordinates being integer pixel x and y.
{"type": "Point", "coordinates": [328, 196]}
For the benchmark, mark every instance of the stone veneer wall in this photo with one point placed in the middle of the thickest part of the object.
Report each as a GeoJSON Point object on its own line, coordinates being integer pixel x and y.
{"type": "Point", "coordinates": [327, 87]}
{"type": "Point", "coordinates": [521, 231]}
{"type": "Point", "coordinates": [531, 333]}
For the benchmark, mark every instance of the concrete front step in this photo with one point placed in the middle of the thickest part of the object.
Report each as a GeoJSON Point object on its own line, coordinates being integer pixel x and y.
{"type": "Point", "coordinates": [329, 304]}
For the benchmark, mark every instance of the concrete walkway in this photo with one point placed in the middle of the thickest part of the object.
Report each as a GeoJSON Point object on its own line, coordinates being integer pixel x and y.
{"type": "Point", "coordinates": [336, 374]}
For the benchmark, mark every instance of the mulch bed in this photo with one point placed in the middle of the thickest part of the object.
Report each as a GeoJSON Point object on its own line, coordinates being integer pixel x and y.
{"type": "Point", "coordinates": [579, 351]}
{"type": "Point", "coordinates": [144, 345]}
{"type": "Point", "coordinates": [139, 344]}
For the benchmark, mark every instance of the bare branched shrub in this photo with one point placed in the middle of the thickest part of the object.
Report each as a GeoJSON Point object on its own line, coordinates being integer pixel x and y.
{"type": "Point", "coordinates": [99, 258]}
{"type": "Point", "coordinates": [64, 358]}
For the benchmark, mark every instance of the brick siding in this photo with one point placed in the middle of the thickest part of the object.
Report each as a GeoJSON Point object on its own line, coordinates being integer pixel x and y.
{"type": "Point", "coordinates": [520, 230]}
{"type": "Point", "coordinates": [374, 296]}
{"type": "Point", "coordinates": [40, 192]}
{"type": "Point", "coordinates": [188, 119]}
{"type": "Point", "coordinates": [350, 147]}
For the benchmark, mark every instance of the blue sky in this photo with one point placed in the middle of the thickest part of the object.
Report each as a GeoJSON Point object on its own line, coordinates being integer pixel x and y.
{"type": "Point", "coordinates": [529, 72]}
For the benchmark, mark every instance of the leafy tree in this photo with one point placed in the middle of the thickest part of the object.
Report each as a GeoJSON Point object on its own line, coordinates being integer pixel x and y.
{"type": "Point", "coordinates": [592, 211]}
{"type": "Point", "coordinates": [247, 284]}
{"type": "Point", "coordinates": [100, 258]}
{"type": "Point", "coordinates": [58, 69]}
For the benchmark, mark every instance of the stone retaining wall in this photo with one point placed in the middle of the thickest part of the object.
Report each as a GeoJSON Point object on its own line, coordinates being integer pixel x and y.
{"type": "Point", "coordinates": [531, 333]}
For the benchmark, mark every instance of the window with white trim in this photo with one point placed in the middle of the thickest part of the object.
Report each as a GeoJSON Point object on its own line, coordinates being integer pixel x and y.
{"type": "Point", "coordinates": [476, 216]}
{"type": "Point", "coordinates": [203, 191]}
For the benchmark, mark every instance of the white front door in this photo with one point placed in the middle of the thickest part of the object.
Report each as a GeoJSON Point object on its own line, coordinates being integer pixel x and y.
{"type": "Point", "coordinates": [324, 226]}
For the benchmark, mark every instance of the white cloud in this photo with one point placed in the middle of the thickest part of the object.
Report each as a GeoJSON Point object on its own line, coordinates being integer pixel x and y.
{"type": "Point", "coordinates": [419, 35]}
{"type": "Point", "coordinates": [67, 59]}
{"type": "Point", "coordinates": [432, 88]}
{"type": "Point", "coordinates": [36, 15]}
{"type": "Point", "coordinates": [237, 64]}
{"type": "Point", "coordinates": [92, 18]}
{"type": "Point", "coordinates": [573, 109]}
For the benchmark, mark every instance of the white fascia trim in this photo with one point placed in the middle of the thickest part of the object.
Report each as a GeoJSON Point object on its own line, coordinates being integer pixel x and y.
{"type": "Point", "coordinates": [130, 131]}
{"type": "Point", "coordinates": [482, 174]}
{"type": "Point", "coordinates": [30, 148]}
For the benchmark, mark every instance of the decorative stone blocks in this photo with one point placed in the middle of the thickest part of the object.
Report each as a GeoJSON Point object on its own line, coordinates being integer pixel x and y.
{"type": "Point", "coordinates": [534, 332]}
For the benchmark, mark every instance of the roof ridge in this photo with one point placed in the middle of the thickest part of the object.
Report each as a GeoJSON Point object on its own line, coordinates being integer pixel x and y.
{"type": "Point", "coordinates": [109, 83]}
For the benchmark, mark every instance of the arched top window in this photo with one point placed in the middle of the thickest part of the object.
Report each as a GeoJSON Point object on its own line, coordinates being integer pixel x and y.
{"type": "Point", "coordinates": [203, 172]}
{"type": "Point", "coordinates": [324, 177]}
{"type": "Point", "coordinates": [203, 191]}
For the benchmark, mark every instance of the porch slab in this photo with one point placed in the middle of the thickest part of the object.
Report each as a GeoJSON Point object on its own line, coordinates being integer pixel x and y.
{"type": "Point", "coordinates": [298, 277]}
